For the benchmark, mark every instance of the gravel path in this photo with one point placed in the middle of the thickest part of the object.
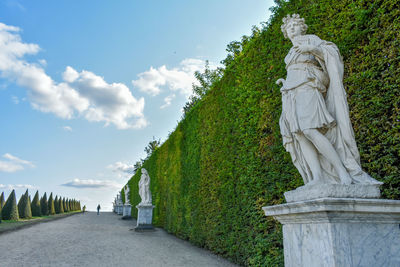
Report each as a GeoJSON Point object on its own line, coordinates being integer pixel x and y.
{"type": "Point", "coordinates": [105, 240]}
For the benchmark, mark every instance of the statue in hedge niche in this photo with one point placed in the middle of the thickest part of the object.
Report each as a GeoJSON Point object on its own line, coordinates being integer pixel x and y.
{"type": "Point", "coordinates": [315, 123]}
{"type": "Point", "coordinates": [126, 191]}
{"type": "Point", "coordinates": [144, 188]}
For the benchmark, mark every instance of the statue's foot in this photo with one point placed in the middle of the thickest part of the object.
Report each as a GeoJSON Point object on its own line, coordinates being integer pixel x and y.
{"type": "Point", "coordinates": [371, 180]}
{"type": "Point", "coordinates": [345, 178]}
{"type": "Point", "coordinates": [314, 182]}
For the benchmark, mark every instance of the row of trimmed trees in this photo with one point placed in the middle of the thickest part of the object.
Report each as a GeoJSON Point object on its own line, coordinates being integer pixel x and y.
{"type": "Point", "coordinates": [26, 209]}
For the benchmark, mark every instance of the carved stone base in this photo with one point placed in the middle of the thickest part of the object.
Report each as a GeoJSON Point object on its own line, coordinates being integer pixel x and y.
{"type": "Point", "coordinates": [126, 213]}
{"type": "Point", "coordinates": [308, 192]}
{"type": "Point", "coordinates": [145, 218]}
{"type": "Point", "coordinates": [120, 209]}
{"type": "Point", "coordinates": [340, 232]}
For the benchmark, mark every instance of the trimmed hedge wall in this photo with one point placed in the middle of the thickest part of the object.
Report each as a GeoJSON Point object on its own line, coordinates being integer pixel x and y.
{"type": "Point", "coordinates": [225, 159]}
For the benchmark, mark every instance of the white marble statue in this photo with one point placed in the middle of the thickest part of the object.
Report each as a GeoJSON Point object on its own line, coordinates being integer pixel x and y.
{"type": "Point", "coordinates": [126, 191]}
{"type": "Point", "coordinates": [315, 123]}
{"type": "Point", "coordinates": [144, 188]}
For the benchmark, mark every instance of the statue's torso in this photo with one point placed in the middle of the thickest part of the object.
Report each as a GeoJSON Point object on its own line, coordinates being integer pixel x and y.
{"type": "Point", "coordinates": [306, 82]}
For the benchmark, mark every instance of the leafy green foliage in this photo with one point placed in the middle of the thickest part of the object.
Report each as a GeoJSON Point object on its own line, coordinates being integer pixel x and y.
{"type": "Point", "coordinates": [151, 147]}
{"type": "Point", "coordinates": [123, 195]}
{"type": "Point", "coordinates": [36, 210]}
{"type": "Point", "coordinates": [10, 209]}
{"type": "Point", "coordinates": [205, 79]}
{"type": "Point", "coordinates": [225, 160]}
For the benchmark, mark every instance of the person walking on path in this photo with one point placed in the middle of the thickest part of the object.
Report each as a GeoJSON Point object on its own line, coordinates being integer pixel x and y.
{"type": "Point", "coordinates": [98, 209]}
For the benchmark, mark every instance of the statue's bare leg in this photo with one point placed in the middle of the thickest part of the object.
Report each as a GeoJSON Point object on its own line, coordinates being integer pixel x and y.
{"type": "Point", "coordinates": [327, 150]}
{"type": "Point", "coordinates": [311, 156]}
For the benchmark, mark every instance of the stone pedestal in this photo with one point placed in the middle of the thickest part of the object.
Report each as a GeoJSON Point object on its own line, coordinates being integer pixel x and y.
{"type": "Point", "coordinates": [119, 209]}
{"type": "Point", "coordinates": [340, 232]}
{"type": "Point", "coordinates": [145, 217]}
{"type": "Point", "coordinates": [126, 213]}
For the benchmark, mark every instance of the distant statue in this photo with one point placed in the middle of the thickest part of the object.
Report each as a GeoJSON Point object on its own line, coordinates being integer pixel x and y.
{"type": "Point", "coordinates": [144, 188]}
{"type": "Point", "coordinates": [315, 123]}
{"type": "Point", "coordinates": [98, 209]}
{"type": "Point", "coordinates": [126, 191]}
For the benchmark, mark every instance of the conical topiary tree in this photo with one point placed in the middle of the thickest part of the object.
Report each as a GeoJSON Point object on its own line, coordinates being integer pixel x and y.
{"type": "Point", "coordinates": [65, 205]}
{"type": "Point", "coordinates": [2, 201]}
{"type": "Point", "coordinates": [36, 210]}
{"type": "Point", "coordinates": [44, 205]}
{"type": "Point", "coordinates": [19, 205]}
{"type": "Point", "coordinates": [30, 206]}
{"type": "Point", "coordinates": [24, 206]}
{"type": "Point", "coordinates": [60, 205]}
{"type": "Point", "coordinates": [10, 210]}
{"type": "Point", "coordinates": [56, 205]}
{"type": "Point", "coordinates": [51, 205]}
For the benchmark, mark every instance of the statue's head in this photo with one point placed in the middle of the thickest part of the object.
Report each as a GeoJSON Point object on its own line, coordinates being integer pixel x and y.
{"type": "Point", "coordinates": [144, 171]}
{"type": "Point", "coordinates": [293, 26]}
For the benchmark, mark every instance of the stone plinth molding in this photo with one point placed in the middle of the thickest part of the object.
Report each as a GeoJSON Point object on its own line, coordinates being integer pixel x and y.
{"type": "Point", "coordinates": [145, 217]}
{"type": "Point", "coordinates": [340, 232]}
{"type": "Point", "coordinates": [126, 213]}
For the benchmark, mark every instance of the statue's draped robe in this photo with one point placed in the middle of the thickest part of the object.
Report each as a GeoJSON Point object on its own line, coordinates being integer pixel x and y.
{"type": "Point", "coordinates": [126, 192]}
{"type": "Point", "coordinates": [314, 98]}
{"type": "Point", "coordinates": [144, 189]}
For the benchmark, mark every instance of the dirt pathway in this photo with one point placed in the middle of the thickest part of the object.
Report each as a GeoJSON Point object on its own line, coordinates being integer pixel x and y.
{"type": "Point", "coordinates": [104, 240]}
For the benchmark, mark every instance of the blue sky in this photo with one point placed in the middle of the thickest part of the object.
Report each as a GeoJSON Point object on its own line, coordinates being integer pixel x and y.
{"type": "Point", "coordinates": [85, 85]}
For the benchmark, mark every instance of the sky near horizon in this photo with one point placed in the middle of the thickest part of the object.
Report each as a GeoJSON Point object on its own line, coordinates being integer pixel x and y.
{"type": "Point", "coordinates": [85, 85]}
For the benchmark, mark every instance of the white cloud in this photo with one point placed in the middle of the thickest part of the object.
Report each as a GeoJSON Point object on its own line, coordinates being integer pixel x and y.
{"type": "Point", "coordinates": [168, 101]}
{"type": "Point", "coordinates": [179, 79]}
{"type": "Point", "coordinates": [81, 93]}
{"type": "Point", "coordinates": [43, 62]}
{"type": "Point", "coordinates": [16, 186]}
{"type": "Point", "coordinates": [67, 128]}
{"type": "Point", "coordinates": [14, 164]}
{"type": "Point", "coordinates": [70, 75]}
{"type": "Point", "coordinates": [122, 168]}
{"type": "Point", "coordinates": [89, 183]}
{"type": "Point", "coordinates": [111, 103]}
{"type": "Point", "coordinates": [18, 160]}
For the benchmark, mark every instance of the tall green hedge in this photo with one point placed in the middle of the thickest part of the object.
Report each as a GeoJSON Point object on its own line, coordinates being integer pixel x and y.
{"type": "Point", "coordinates": [10, 209]}
{"type": "Point", "coordinates": [225, 159]}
